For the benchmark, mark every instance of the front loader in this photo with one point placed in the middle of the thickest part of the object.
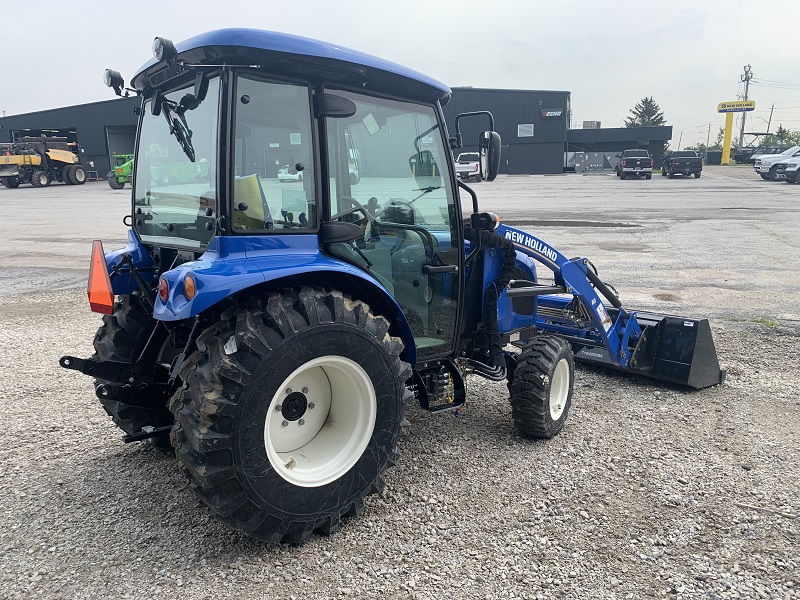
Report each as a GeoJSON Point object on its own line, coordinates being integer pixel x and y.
{"type": "Point", "coordinates": [274, 334]}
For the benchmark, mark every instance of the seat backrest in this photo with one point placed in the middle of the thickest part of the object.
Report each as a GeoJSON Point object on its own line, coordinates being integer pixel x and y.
{"type": "Point", "coordinates": [256, 215]}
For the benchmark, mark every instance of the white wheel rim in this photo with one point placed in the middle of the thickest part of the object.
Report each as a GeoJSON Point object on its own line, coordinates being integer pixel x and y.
{"type": "Point", "coordinates": [559, 389]}
{"type": "Point", "coordinates": [80, 174]}
{"type": "Point", "coordinates": [333, 434]}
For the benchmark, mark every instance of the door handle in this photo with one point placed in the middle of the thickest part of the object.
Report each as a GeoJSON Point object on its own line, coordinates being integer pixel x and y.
{"type": "Point", "coordinates": [433, 269]}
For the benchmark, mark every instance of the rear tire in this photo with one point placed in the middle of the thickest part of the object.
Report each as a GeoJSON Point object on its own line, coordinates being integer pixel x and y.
{"type": "Point", "coordinates": [671, 175]}
{"type": "Point", "coordinates": [255, 434]}
{"type": "Point", "coordinates": [622, 175]}
{"type": "Point", "coordinates": [65, 175]}
{"type": "Point", "coordinates": [541, 388]}
{"type": "Point", "coordinates": [764, 177]}
{"type": "Point", "coordinates": [40, 179]}
{"type": "Point", "coordinates": [697, 175]}
{"type": "Point", "coordinates": [76, 175]}
{"type": "Point", "coordinates": [113, 182]}
{"type": "Point", "coordinates": [122, 337]}
{"type": "Point", "coordinates": [648, 176]}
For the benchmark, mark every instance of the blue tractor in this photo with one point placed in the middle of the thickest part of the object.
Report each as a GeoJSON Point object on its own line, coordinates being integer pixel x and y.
{"type": "Point", "coordinates": [274, 333]}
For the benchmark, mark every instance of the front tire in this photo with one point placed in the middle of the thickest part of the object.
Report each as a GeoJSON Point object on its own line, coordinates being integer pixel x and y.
{"type": "Point", "coordinates": [76, 175]}
{"type": "Point", "coordinates": [291, 411]}
{"type": "Point", "coordinates": [541, 388]}
{"type": "Point", "coordinates": [40, 179]}
{"type": "Point", "coordinates": [113, 182]}
{"type": "Point", "coordinates": [773, 174]}
{"type": "Point", "coordinates": [764, 176]}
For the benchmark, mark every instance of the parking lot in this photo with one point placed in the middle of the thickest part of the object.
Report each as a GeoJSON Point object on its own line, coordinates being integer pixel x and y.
{"type": "Point", "coordinates": [650, 490]}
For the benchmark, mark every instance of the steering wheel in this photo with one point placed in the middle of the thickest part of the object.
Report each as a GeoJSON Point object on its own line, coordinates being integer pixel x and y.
{"type": "Point", "coordinates": [358, 206]}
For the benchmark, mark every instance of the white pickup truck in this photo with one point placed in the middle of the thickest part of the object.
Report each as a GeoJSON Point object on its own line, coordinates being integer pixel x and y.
{"type": "Point", "coordinates": [468, 166]}
{"type": "Point", "coordinates": [766, 165]}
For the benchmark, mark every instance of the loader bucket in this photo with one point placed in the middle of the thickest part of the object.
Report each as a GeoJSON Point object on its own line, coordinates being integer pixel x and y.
{"type": "Point", "coordinates": [675, 349]}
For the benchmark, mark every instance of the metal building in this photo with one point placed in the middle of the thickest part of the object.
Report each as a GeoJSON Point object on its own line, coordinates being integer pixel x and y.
{"type": "Point", "coordinates": [532, 124]}
{"type": "Point", "coordinates": [100, 129]}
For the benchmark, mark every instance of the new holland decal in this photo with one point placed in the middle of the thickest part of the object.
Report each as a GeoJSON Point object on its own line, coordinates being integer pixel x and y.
{"type": "Point", "coordinates": [530, 242]}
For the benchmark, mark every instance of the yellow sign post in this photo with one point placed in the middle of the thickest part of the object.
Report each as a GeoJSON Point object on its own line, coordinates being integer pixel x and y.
{"type": "Point", "coordinates": [729, 108]}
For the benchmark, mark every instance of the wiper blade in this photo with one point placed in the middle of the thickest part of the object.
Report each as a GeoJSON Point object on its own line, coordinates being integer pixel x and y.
{"type": "Point", "coordinates": [178, 127]}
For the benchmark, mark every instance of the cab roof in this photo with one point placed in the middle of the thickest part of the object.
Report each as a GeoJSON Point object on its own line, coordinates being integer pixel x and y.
{"type": "Point", "coordinates": [282, 53]}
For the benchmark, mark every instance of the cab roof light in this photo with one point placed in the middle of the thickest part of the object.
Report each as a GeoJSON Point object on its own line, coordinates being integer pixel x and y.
{"type": "Point", "coordinates": [101, 296]}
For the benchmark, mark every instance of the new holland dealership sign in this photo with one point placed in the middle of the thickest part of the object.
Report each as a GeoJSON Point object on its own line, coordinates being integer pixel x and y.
{"type": "Point", "coordinates": [738, 106]}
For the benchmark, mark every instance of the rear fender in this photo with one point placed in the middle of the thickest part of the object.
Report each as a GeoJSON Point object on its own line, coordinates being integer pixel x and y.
{"type": "Point", "coordinates": [122, 282]}
{"type": "Point", "coordinates": [250, 265]}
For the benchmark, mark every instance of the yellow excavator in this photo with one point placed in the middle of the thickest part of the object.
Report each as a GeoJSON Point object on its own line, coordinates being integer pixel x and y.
{"type": "Point", "coordinates": [40, 161]}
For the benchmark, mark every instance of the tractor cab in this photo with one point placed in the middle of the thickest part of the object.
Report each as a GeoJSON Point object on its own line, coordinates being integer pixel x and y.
{"type": "Point", "coordinates": [369, 189]}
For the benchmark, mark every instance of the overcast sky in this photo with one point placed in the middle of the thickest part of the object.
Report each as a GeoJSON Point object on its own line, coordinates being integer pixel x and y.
{"type": "Point", "coordinates": [687, 55]}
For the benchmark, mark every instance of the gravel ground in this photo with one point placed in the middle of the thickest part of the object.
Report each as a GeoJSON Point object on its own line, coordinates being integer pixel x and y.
{"type": "Point", "coordinates": [649, 491]}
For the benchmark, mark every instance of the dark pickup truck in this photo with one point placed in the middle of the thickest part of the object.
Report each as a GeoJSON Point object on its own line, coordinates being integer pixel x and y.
{"type": "Point", "coordinates": [682, 162]}
{"type": "Point", "coordinates": [634, 162]}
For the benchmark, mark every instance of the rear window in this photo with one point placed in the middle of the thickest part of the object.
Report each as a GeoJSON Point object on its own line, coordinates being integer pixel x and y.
{"type": "Point", "coordinates": [636, 153]}
{"type": "Point", "coordinates": [468, 157]}
{"type": "Point", "coordinates": [684, 154]}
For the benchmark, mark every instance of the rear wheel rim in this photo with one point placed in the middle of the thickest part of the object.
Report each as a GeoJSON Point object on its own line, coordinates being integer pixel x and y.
{"type": "Point", "coordinates": [320, 421]}
{"type": "Point", "coordinates": [559, 389]}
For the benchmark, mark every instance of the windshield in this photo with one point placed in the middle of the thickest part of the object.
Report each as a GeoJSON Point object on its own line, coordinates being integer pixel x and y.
{"type": "Point", "coordinates": [175, 201]}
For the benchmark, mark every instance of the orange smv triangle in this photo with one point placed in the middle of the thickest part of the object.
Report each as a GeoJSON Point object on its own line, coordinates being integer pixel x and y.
{"type": "Point", "coordinates": [101, 297]}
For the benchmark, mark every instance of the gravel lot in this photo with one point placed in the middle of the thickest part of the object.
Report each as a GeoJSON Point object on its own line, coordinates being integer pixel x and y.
{"type": "Point", "coordinates": [650, 491]}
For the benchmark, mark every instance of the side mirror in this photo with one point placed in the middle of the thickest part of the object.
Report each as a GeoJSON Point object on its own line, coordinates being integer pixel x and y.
{"type": "Point", "coordinates": [490, 146]}
{"type": "Point", "coordinates": [425, 170]}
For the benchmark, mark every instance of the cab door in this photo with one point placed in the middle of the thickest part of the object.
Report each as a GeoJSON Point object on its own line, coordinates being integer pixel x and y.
{"type": "Point", "coordinates": [403, 201]}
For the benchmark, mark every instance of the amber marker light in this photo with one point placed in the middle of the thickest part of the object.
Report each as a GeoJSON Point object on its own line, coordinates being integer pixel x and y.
{"type": "Point", "coordinates": [163, 289]}
{"type": "Point", "coordinates": [101, 296]}
{"type": "Point", "coordinates": [189, 287]}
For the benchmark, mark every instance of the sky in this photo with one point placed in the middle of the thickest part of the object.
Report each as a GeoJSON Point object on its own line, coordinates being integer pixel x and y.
{"type": "Point", "coordinates": [687, 55]}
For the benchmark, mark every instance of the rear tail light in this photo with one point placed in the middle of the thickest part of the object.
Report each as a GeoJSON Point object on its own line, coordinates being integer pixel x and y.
{"type": "Point", "coordinates": [163, 289]}
{"type": "Point", "coordinates": [101, 296]}
{"type": "Point", "coordinates": [624, 163]}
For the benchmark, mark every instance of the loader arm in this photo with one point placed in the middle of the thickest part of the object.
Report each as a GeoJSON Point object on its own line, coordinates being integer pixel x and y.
{"type": "Point", "coordinates": [573, 277]}
{"type": "Point", "coordinates": [585, 311]}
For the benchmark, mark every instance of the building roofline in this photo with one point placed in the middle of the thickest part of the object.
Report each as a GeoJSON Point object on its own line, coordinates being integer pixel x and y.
{"type": "Point", "coordinates": [522, 91]}
{"type": "Point", "coordinates": [38, 112]}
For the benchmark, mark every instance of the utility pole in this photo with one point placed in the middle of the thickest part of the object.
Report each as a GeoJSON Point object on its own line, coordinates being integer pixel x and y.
{"type": "Point", "coordinates": [708, 137]}
{"type": "Point", "coordinates": [745, 78]}
{"type": "Point", "coordinates": [770, 116]}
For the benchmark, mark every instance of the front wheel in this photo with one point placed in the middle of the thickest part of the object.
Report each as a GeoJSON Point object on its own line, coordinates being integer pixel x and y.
{"type": "Point", "coordinates": [541, 388]}
{"type": "Point", "coordinates": [40, 179]}
{"type": "Point", "coordinates": [291, 412]}
{"type": "Point", "coordinates": [113, 182]}
{"type": "Point", "coordinates": [76, 175]}
{"type": "Point", "coordinates": [773, 174]}
{"type": "Point", "coordinates": [764, 176]}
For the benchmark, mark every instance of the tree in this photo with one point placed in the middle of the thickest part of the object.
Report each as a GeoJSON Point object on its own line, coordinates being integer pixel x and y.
{"type": "Point", "coordinates": [646, 113]}
{"type": "Point", "coordinates": [782, 137]}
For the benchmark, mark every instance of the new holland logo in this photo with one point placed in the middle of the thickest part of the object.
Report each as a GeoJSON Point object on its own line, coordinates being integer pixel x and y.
{"type": "Point", "coordinates": [546, 113]}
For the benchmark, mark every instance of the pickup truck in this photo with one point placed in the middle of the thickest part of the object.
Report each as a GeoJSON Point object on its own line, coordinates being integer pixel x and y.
{"type": "Point", "coordinates": [468, 166]}
{"type": "Point", "coordinates": [766, 165]}
{"type": "Point", "coordinates": [682, 162]}
{"type": "Point", "coordinates": [634, 162]}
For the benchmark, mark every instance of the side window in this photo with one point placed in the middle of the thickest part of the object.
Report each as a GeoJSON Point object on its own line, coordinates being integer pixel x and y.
{"type": "Point", "coordinates": [273, 184]}
{"type": "Point", "coordinates": [390, 174]}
